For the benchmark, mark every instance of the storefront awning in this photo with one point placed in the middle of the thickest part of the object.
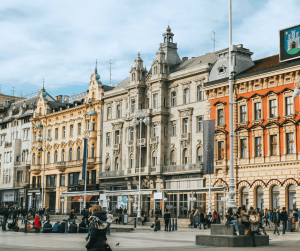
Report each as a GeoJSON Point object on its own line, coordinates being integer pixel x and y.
{"type": "Point", "coordinates": [76, 198]}
{"type": "Point", "coordinates": [80, 194]}
{"type": "Point", "coordinates": [127, 192]}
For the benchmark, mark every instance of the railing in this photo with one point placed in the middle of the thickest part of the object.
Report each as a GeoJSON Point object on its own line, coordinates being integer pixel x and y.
{"type": "Point", "coordinates": [182, 168]}
{"type": "Point", "coordinates": [36, 167]}
{"type": "Point", "coordinates": [141, 141]}
{"type": "Point", "coordinates": [153, 140]}
{"type": "Point", "coordinates": [142, 170]}
{"type": "Point", "coordinates": [8, 144]}
{"type": "Point", "coordinates": [116, 146]}
{"type": "Point", "coordinates": [38, 185]}
{"type": "Point", "coordinates": [111, 174]}
{"type": "Point", "coordinates": [60, 163]}
{"type": "Point", "coordinates": [153, 169]}
{"type": "Point", "coordinates": [185, 136]}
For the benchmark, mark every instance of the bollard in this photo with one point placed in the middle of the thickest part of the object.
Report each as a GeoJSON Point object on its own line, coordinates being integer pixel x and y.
{"type": "Point", "coordinates": [25, 222]}
{"type": "Point", "coordinates": [175, 224]}
{"type": "Point", "coordinates": [172, 224]}
{"type": "Point", "coordinates": [134, 223]}
{"type": "Point", "coordinates": [66, 227]}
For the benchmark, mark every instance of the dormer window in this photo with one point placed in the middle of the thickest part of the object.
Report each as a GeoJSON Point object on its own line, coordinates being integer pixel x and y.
{"type": "Point", "coordinates": [222, 70]}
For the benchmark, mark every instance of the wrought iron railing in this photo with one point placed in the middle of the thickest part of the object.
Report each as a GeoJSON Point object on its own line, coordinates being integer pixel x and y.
{"type": "Point", "coordinates": [182, 168]}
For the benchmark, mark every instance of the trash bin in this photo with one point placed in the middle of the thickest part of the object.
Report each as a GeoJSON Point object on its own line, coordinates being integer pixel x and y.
{"type": "Point", "coordinates": [291, 224]}
{"type": "Point", "coordinates": [125, 219]}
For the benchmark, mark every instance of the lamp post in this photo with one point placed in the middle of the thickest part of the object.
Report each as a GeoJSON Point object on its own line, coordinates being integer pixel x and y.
{"type": "Point", "coordinates": [140, 117]}
{"type": "Point", "coordinates": [80, 201]}
{"type": "Point", "coordinates": [108, 200]}
{"type": "Point", "coordinates": [62, 206]}
{"type": "Point", "coordinates": [85, 169]}
{"type": "Point", "coordinates": [43, 139]}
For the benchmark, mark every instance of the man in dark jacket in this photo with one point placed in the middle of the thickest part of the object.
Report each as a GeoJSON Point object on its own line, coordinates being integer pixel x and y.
{"type": "Point", "coordinates": [82, 227]}
{"type": "Point", "coordinates": [5, 217]}
{"type": "Point", "coordinates": [167, 217]}
{"type": "Point", "coordinates": [15, 214]}
{"type": "Point", "coordinates": [23, 213]}
{"type": "Point", "coordinates": [202, 220]}
{"type": "Point", "coordinates": [284, 218]}
{"type": "Point", "coordinates": [47, 228]}
{"type": "Point", "coordinates": [84, 214]}
{"type": "Point", "coordinates": [72, 215]}
{"type": "Point", "coordinates": [276, 220]}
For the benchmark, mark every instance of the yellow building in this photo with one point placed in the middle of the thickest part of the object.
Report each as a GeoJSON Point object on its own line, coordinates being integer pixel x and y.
{"type": "Point", "coordinates": [60, 127]}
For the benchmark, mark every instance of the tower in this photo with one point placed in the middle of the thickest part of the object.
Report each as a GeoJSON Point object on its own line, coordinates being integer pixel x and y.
{"type": "Point", "coordinates": [138, 72]}
{"type": "Point", "coordinates": [170, 48]}
{"type": "Point", "coordinates": [160, 67]}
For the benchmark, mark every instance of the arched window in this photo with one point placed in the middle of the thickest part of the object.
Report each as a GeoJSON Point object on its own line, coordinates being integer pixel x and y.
{"type": "Point", "coordinates": [118, 111]}
{"type": "Point", "coordinates": [39, 160]}
{"type": "Point", "coordinates": [292, 199]}
{"type": "Point", "coordinates": [55, 156]}
{"type": "Point", "coordinates": [33, 159]}
{"type": "Point", "coordinates": [199, 155]}
{"type": "Point", "coordinates": [165, 40]}
{"type": "Point", "coordinates": [48, 158]}
{"type": "Point", "coordinates": [131, 133]}
{"type": "Point", "coordinates": [108, 112]}
{"type": "Point", "coordinates": [63, 155]}
{"type": "Point", "coordinates": [154, 158]}
{"type": "Point", "coordinates": [78, 153]}
{"type": "Point", "coordinates": [275, 197]}
{"type": "Point", "coordinates": [185, 158]}
{"type": "Point", "coordinates": [173, 157]}
{"type": "Point", "coordinates": [70, 154]}
{"type": "Point", "coordinates": [64, 132]}
{"type": "Point", "coordinates": [245, 196]}
{"type": "Point", "coordinates": [93, 95]}
{"type": "Point", "coordinates": [117, 164]}
{"type": "Point", "coordinates": [260, 197]}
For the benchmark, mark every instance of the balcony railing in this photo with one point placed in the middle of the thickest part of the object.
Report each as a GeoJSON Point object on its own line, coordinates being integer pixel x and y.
{"type": "Point", "coordinates": [142, 142]}
{"type": "Point", "coordinates": [116, 146]}
{"type": "Point", "coordinates": [142, 170]}
{"type": "Point", "coordinates": [8, 144]}
{"type": "Point", "coordinates": [154, 140]}
{"type": "Point", "coordinates": [111, 174]}
{"type": "Point", "coordinates": [32, 186]}
{"type": "Point", "coordinates": [182, 168]}
{"type": "Point", "coordinates": [185, 136]}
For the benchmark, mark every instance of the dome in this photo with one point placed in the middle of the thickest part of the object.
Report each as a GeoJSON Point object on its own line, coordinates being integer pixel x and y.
{"type": "Point", "coordinates": [168, 29]}
{"type": "Point", "coordinates": [97, 76]}
{"type": "Point", "coordinates": [44, 94]}
{"type": "Point", "coordinates": [39, 125]}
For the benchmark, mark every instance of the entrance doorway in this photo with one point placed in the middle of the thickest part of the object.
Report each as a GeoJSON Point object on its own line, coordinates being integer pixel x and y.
{"type": "Point", "coordinates": [52, 197]}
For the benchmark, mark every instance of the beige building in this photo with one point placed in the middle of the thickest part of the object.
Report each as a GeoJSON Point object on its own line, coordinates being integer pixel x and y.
{"type": "Point", "coordinates": [63, 124]}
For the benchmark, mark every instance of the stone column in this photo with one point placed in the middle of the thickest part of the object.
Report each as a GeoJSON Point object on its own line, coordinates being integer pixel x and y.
{"type": "Point", "coordinates": [190, 132]}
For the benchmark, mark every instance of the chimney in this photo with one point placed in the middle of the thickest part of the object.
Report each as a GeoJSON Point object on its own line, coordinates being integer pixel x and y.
{"type": "Point", "coordinates": [59, 98]}
{"type": "Point", "coordinates": [240, 46]}
{"type": "Point", "coordinates": [185, 59]}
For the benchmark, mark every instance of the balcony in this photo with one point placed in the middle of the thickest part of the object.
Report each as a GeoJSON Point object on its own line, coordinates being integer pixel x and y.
{"type": "Point", "coordinates": [111, 174]}
{"type": "Point", "coordinates": [116, 146]}
{"type": "Point", "coordinates": [61, 166]}
{"type": "Point", "coordinates": [8, 144]}
{"type": "Point", "coordinates": [184, 136]}
{"type": "Point", "coordinates": [142, 142]}
{"type": "Point", "coordinates": [92, 134]}
{"type": "Point", "coordinates": [183, 168]}
{"type": "Point", "coordinates": [91, 163]}
{"type": "Point", "coordinates": [154, 140]}
{"type": "Point", "coordinates": [33, 186]}
{"type": "Point", "coordinates": [35, 169]}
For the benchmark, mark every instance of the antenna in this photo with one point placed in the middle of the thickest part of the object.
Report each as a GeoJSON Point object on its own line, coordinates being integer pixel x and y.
{"type": "Point", "coordinates": [13, 91]}
{"type": "Point", "coordinates": [110, 63]}
{"type": "Point", "coordinates": [214, 39]}
{"type": "Point", "coordinates": [0, 89]}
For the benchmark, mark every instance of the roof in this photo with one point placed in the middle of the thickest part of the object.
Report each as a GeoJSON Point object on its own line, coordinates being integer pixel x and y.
{"type": "Point", "coordinates": [123, 84]}
{"type": "Point", "coordinates": [204, 59]}
{"type": "Point", "coordinates": [107, 88]}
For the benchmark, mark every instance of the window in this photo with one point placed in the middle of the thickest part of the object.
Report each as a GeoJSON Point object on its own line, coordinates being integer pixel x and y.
{"type": "Point", "coordinates": [185, 156]}
{"type": "Point", "coordinates": [243, 148]}
{"type": "Point", "coordinates": [131, 162]}
{"type": "Point", "coordinates": [51, 180]}
{"type": "Point", "coordinates": [132, 105]}
{"type": "Point", "coordinates": [118, 111]}
{"type": "Point", "coordinates": [273, 108]}
{"type": "Point", "coordinates": [186, 96]}
{"type": "Point", "coordinates": [33, 158]}
{"type": "Point", "coordinates": [173, 157]}
{"type": "Point", "coordinates": [289, 105]}
{"type": "Point", "coordinates": [79, 128]}
{"type": "Point", "coordinates": [165, 132]}
{"type": "Point", "coordinates": [165, 159]}
{"type": "Point", "coordinates": [71, 130]}
{"type": "Point", "coordinates": [243, 113]}
{"type": "Point", "coordinates": [173, 129]}
{"type": "Point", "coordinates": [73, 179]}
{"type": "Point", "coordinates": [199, 93]}
{"type": "Point", "coordinates": [273, 139]}
{"type": "Point", "coordinates": [117, 164]}
{"type": "Point", "coordinates": [131, 137]}
{"type": "Point", "coordinates": [93, 152]}
{"type": "Point", "coordinates": [34, 137]}
{"type": "Point", "coordinates": [108, 113]}
{"type": "Point", "coordinates": [185, 126]}
{"type": "Point", "coordinates": [155, 100]}
{"type": "Point", "coordinates": [173, 98]}
{"type": "Point", "coordinates": [220, 117]}
{"type": "Point", "coordinates": [19, 176]}
{"type": "Point", "coordinates": [64, 132]}
{"type": "Point", "coordinates": [257, 108]}
{"type": "Point", "coordinates": [165, 102]}
{"type": "Point", "coordinates": [94, 126]}
{"type": "Point", "coordinates": [49, 133]}
{"type": "Point", "coordinates": [108, 139]}
{"type": "Point", "coordinates": [25, 134]}
{"type": "Point", "coordinates": [62, 180]}
{"type": "Point", "coordinates": [221, 150]}
{"type": "Point", "coordinates": [117, 133]}
{"type": "Point", "coordinates": [48, 158]}
{"type": "Point", "coordinates": [70, 154]}
{"type": "Point", "coordinates": [78, 153]}
{"type": "Point", "coordinates": [56, 133]}
{"type": "Point", "coordinates": [258, 147]}
{"type": "Point", "coordinates": [154, 130]}
{"type": "Point", "coordinates": [55, 157]}
{"type": "Point", "coordinates": [93, 176]}
{"type": "Point", "coordinates": [154, 159]}
{"type": "Point", "coordinates": [88, 124]}
{"type": "Point", "coordinates": [63, 155]}
{"type": "Point", "coordinates": [199, 155]}
{"type": "Point", "coordinates": [200, 124]}
{"type": "Point", "coordinates": [290, 143]}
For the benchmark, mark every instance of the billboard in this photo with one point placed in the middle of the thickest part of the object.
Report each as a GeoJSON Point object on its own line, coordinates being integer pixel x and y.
{"type": "Point", "coordinates": [289, 43]}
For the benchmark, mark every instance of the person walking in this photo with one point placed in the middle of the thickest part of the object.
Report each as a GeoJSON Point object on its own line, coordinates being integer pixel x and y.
{"type": "Point", "coordinates": [276, 221]}
{"type": "Point", "coordinates": [270, 212]}
{"type": "Point", "coordinates": [84, 214]}
{"type": "Point", "coordinates": [98, 240]}
{"type": "Point", "coordinates": [72, 215]}
{"type": "Point", "coordinates": [209, 219]}
{"type": "Point", "coordinates": [167, 217]}
{"type": "Point", "coordinates": [254, 220]}
{"type": "Point", "coordinates": [46, 214]}
{"type": "Point", "coordinates": [109, 221]}
{"type": "Point", "coordinates": [15, 214]}
{"type": "Point", "coordinates": [191, 217]}
{"type": "Point", "coordinates": [230, 218]}
{"type": "Point", "coordinates": [284, 219]}
{"type": "Point", "coordinates": [202, 220]}
{"type": "Point", "coordinates": [37, 224]}
{"type": "Point", "coordinates": [23, 213]}
{"type": "Point", "coordinates": [5, 217]}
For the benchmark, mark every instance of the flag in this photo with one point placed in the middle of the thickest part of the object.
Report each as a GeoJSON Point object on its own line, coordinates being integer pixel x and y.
{"type": "Point", "coordinates": [84, 159]}
{"type": "Point", "coordinates": [208, 146]}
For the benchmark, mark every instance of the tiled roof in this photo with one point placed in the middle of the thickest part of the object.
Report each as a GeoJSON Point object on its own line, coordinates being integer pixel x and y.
{"type": "Point", "coordinates": [264, 63]}
{"type": "Point", "coordinates": [123, 84]}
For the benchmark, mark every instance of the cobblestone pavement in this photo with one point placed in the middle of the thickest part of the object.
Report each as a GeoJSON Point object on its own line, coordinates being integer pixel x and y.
{"type": "Point", "coordinates": [183, 239]}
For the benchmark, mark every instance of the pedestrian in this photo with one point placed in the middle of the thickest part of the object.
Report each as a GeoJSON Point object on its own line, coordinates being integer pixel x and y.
{"type": "Point", "coordinates": [88, 223]}
{"type": "Point", "coordinates": [46, 214]}
{"type": "Point", "coordinates": [144, 219]}
{"type": "Point", "coordinates": [15, 214]}
{"type": "Point", "coordinates": [37, 224]}
{"type": "Point", "coordinates": [156, 224]}
{"type": "Point", "coordinates": [284, 218]}
{"type": "Point", "coordinates": [215, 216]}
{"type": "Point", "coordinates": [98, 238]}
{"type": "Point", "coordinates": [276, 221]}
{"type": "Point", "coordinates": [47, 228]}
{"type": "Point", "coordinates": [230, 218]}
{"type": "Point", "coordinates": [270, 217]}
{"type": "Point", "coordinates": [202, 220]}
{"type": "Point", "coordinates": [84, 214]}
{"type": "Point", "coordinates": [254, 220]}
{"type": "Point", "coordinates": [72, 215]}
{"type": "Point", "coordinates": [191, 216]}
{"type": "Point", "coordinates": [23, 213]}
{"type": "Point", "coordinates": [260, 218]}
{"type": "Point", "coordinates": [5, 217]}
{"type": "Point", "coordinates": [209, 219]}
{"type": "Point", "coordinates": [125, 210]}
{"type": "Point", "coordinates": [167, 217]}
{"type": "Point", "coordinates": [109, 221]}
{"type": "Point", "coordinates": [245, 219]}
{"type": "Point", "coordinates": [295, 214]}
{"type": "Point", "coordinates": [28, 226]}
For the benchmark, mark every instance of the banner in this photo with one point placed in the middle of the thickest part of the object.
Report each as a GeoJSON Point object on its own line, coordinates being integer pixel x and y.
{"type": "Point", "coordinates": [208, 146]}
{"type": "Point", "coordinates": [289, 43]}
{"type": "Point", "coordinates": [84, 158]}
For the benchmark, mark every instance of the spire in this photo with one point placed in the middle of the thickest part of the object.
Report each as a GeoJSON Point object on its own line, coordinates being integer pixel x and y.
{"type": "Point", "coordinates": [43, 85]}
{"type": "Point", "coordinates": [96, 68]}
{"type": "Point", "coordinates": [168, 29]}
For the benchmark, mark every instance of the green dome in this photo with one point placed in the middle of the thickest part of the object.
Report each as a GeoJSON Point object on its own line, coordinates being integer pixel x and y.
{"type": "Point", "coordinates": [44, 94]}
{"type": "Point", "coordinates": [97, 76]}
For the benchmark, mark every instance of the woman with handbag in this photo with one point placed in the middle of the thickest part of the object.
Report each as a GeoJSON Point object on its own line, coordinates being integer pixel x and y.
{"type": "Point", "coordinates": [254, 220]}
{"type": "Point", "coordinates": [245, 219]}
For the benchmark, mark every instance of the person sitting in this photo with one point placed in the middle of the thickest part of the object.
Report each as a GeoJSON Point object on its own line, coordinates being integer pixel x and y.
{"type": "Point", "coordinates": [28, 226]}
{"type": "Point", "coordinates": [144, 219]}
{"type": "Point", "coordinates": [14, 225]}
{"type": "Point", "coordinates": [156, 224]}
{"type": "Point", "coordinates": [55, 228]}
{"type": "Point", "coordinates": [61, 227]}
{"type": "Point", "coordinates": [82, 227]}
{"type": "Point", "coordinates": [47, 228]}
{"type": "Point", "coordinates": [71, 215]}
{"type": "Point", "coordinates": [37, 224]}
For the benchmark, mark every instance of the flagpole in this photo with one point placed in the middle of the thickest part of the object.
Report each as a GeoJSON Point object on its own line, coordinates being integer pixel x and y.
{"type": "Point", "coordinates": [209, 180]}
{"type": "Point", "coordinates": [85, 170]}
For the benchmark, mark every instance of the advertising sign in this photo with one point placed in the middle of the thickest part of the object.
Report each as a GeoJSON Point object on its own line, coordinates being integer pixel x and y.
{"type": "Point", "coordinates": [289, 43]}
{"type": "Point", "coordinates": [208, 146]}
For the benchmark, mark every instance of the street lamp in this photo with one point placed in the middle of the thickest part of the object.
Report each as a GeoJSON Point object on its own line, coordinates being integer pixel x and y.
{"type": "Point", "coordinates": [43, 139]}
{"type": "Point", "coordinates": [62, 202]}
{"type": "Point", "coordinates": [108, 200]}
{"type": "Point", "coordinates": [140, 117]}
{"type": "Point", "coordinates": [80, 201]}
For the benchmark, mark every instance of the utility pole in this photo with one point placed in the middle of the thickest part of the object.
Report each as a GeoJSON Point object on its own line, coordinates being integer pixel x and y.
{"type": "Point", "coordinates": [214, 39]}
{"type": "Point", "coordinates": [110, 63]}
{"type": "Point", "coordinates": [13, 91]}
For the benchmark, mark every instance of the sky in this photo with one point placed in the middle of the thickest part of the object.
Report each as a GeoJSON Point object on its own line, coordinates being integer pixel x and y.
{"type": "Point", "coordinates": [59, 41]}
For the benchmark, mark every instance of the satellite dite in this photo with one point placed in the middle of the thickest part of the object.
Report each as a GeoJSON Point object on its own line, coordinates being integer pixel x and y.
{"type": "Point", "coordinates": [289, 43]}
